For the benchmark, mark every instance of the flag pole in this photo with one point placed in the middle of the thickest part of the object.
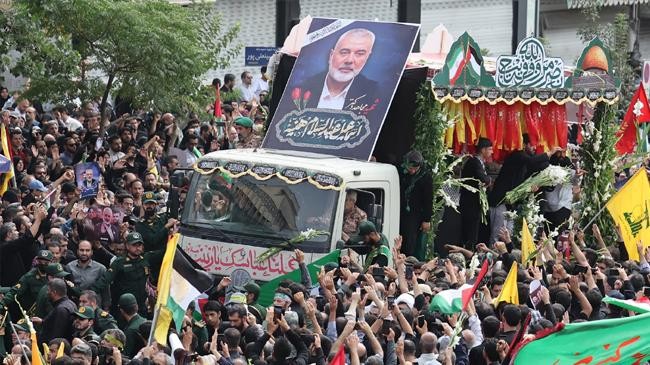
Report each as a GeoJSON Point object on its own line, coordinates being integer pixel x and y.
{"type": "Point", "coordinates": [20, 342]}
{"type": "Point", "coordinates": [594, 218]}
{"type": "Point", "coordinates": [153, 325]}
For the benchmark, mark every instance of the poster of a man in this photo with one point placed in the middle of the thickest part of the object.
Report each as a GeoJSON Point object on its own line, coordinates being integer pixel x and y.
{"type": "Point", "coordinates": [341, 86]}
{"type": "Point", "coordinates": [106, 222]}
{"type": "Point", "coordinates": [87, 179]}
{"type": "Point", "coordinates": [344, 86]}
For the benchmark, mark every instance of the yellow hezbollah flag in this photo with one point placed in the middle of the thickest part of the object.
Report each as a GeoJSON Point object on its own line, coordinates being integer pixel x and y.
{"type": "Point", "coordinates": [527, 244]}
{"type": "Point", "coordinates": [630, 208]}
{"type": "Point", "coordinates": [164, 318]}
{"type": "Point", "coordinates": [509, 293]}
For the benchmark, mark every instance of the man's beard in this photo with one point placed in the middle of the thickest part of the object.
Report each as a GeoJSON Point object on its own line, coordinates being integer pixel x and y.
{"type": "Point", "coordinates": [149, 212]}
{"type": "Point", "coordinates": [149, 187]}
{"type": "Point", "coordinates": [342, 76]}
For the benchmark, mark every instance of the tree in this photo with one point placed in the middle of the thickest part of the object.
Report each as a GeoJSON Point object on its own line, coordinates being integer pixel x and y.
{"type": "Point", "coordinates": [152, 52]}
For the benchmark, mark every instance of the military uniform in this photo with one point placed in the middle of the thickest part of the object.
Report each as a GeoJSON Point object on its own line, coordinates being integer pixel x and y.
{"type": "Point", "coordinates": [43, 304]}
{"type": "Point", "coordinates": [129, 275]}
{"type": "Point", "coordinates": [252, 140]}
{"type": "Point", "coordinates": [132, 329]}
{"type": "Point", "coordinates": [255, 308]}
{"type": "Point", "coordinates": [352, 220]}
{"type": "Point", "coordinates": [376, 253]}
{"type": "Point", "coordinates": [103, 321]}
{"type": "Point", "coordinates": [88, 334]}
{"type": "Point", "coordinates": [27, 289]}
{"type": "Point", "coordinates": [153, 231]}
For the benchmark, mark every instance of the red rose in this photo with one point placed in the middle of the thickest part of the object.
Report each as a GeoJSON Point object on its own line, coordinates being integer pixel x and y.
{"type": "Point", "coordinates": [295, 93]}
{"type": "Point", "coordinates": [307, 96]}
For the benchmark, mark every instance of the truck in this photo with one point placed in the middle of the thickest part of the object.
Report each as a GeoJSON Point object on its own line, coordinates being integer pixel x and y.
{"type": "Point", "coordinates": [242, 202]}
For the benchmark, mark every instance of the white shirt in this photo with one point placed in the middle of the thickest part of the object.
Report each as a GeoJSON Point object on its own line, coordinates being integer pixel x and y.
{"type": "Point", "coordinates": [247, 92]}
{"type": "Point", "coordinates": [329, 101]}
{"type": "Point", "coordinates": [260, 85]}
{"type": "Point", "coordinates": [185, 157]}
{"type": "Point", "coordinates": [72, 124]}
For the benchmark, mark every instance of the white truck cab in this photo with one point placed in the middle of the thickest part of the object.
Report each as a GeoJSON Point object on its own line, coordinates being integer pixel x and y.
{"type": "Point", "coordinates": [242, 202]}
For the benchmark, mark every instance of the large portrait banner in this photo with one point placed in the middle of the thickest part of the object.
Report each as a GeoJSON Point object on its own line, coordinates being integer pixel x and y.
{"type": "Point", "coordinates": [341, 87]}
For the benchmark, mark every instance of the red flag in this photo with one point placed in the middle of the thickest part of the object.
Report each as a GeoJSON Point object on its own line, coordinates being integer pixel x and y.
{"type": "Point", "coordinates": [467, 294]}
{"type": "Point", "coordinates": [627, 132]}
{"type": "Point", "coordinates": [217, 103]}
{"type": "Point", "coordinates": [339, 358]}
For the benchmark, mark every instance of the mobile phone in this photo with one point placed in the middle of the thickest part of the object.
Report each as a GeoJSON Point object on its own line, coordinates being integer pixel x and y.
{"type": "Point", "coordinates": [277, 312]}
{"type": "Point", "coordinates": [611, 281]}
{"type": "Point", "coordinates": [421, 321]}
{"type": "Point", "coordinates": [377, 271]}
{"type": "Point", "coordinates": [361, 279]}
{"type": "Point", "coordinates": [391, 302]}
{"type": "Point", "coordinates": [409, 272]}
{"type": "Point", "coordinates": [646, 291]}
{"type": "Point", "coordinates": [612, 272]}
{"type": "Point", "coordinates": [579, 269]}
{"type": "Point", "coordinates": [385, 327]}
{"type": "Point", "coordinates": [440, 262]}
{"type": "Point", "coordinates": [441, 274]}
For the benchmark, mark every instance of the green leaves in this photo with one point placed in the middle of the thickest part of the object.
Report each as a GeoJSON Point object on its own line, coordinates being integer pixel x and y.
{"type": "Point", "coordinates": [156, 52]}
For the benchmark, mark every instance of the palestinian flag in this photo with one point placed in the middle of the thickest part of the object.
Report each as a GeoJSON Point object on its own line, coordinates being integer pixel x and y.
{"type": "Point", "coordinates": [267, 290]}
{"type": "Point", "coordinates": [181, 281]}
{"type": "Point", "coordinates": [637, 306]}
{"type": "Point", "coordinates": [460, 59]}
{"type": "Point", "coordinates": [607, 341]}
{"type": "Point", "coordinates": [450, 301]}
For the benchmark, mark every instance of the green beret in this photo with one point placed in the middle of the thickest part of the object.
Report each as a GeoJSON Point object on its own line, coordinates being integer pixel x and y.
{"type": "Point", "coordinates": [85, 312]}
{"type": "Point", "coordinates": [56, 270]}
{"type": "Point", "coordinates": [133, 238]}
{"type": "Point", "coordinates": [366, 227]}
{"type": "Point", "coordinates": [45, 255]}
{"type": "Point", "coordinates": [252, 287]}
{"type": "Point", "coordinates": [149, 197]}
{"type": "Point", "coordinates": [244, 122]}
{"type": "Point", "coordinates": [127, 300]}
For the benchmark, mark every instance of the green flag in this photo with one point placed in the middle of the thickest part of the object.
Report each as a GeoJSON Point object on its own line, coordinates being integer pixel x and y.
{"type": "Point", "coordinates": [608, 341]}
{"type": "Point", "coordinates": [267, 291]}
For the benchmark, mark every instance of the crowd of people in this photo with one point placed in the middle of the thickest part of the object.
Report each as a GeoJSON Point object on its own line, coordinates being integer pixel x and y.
{"type": "Point", "coordinates": [89, 289]}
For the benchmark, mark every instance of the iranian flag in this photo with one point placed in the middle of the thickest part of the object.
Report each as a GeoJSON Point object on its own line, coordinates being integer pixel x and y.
{"type": "Point", "coordinates": [607, 341]}
{"type": "Point", "coordinates": [638, 306]}
{"type": "Point", "coordinates": [450, 301]}
{"type": "Point", "coordinates": [459, 60]}
{"type": "Point", "coordinates": [181, 281]}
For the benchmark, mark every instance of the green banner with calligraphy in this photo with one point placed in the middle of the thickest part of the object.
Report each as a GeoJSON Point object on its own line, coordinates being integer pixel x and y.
{"type": "Point", "coordinates": [610, 341]}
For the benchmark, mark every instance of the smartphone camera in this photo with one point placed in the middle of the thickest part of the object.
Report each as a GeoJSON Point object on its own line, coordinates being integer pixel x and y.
{"type": "Point", "coordinates": [409, 272]}
{"type": "Point", "coordinates": [377, 271]}
{"type": "Point", "coordinates": [421, 321]}
{"type": "Point", "coordinates": [277, 312]}
{"type": "Point", "coordinates": [391, 302]}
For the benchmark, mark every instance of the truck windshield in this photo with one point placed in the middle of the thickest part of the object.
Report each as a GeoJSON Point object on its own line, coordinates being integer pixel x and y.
{"type": "Point", "coordinates": [258, 212]}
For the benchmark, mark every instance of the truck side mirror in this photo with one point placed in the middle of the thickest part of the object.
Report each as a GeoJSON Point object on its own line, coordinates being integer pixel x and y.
{"type": "Point", "coordinates": [376, 215]}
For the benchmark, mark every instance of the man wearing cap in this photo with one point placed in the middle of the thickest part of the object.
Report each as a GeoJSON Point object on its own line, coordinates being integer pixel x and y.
{"type": "Point", "coordinates": [252, 295]}
{"type": "Point", "coordinates": [247, 138]}
{"type": "Point", "coordinates": [128, 306]}
{"type": "Point", "coordinates": [129, 274]}
{"type": "Point", "coordinates": [83, 324]}
{"type": "Point", "coordinates": [153, 227]}
{"type": "Point", "coordinates": [470, 202]}
{"type": "Point", "coordinates": [53, 271]}
{"type": "Point", "coordinates": [103, 320]}
{"type": "Point", "coordinates": [374, 245]}
{"type": "Point", "coordinates": [27, 289]}
{"type": "Point", "coordinates": [352, 215]}
{"type": "Point", "coordinates": [416, 190]}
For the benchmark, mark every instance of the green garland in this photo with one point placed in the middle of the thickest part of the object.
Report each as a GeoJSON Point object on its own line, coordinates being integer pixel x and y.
{"type": "Point", "coordinates": [598, 156]}
{"type": "Point", "coordinates": [431, 126]}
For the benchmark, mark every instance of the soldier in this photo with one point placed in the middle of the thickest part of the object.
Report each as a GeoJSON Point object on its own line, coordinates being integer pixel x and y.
{"type": "Point", "coordinates": [375, 245]}
{"type": "Point", "coordinates": [103, 320]}
{"type": "Point", "coordinates": [83, 324]}
{"type": "Point", "coordinates": [247, 138]}
{"type": "Point", "coordinates": [129, 311]}
{"type": "Point", "coordinates": [43, 305]}
{"type": "Point", "coordinates": [26, 290]}
{"type": "Point", "coordinates": [154, 227]}
{"type": "Point", "coordinates": [129, 274]}
{"type": "Point", "coordinates": [252, 295]}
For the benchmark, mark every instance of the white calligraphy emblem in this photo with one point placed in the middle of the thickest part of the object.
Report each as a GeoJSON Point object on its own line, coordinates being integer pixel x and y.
{"type": "Point", "coordinates": [530, 67]}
